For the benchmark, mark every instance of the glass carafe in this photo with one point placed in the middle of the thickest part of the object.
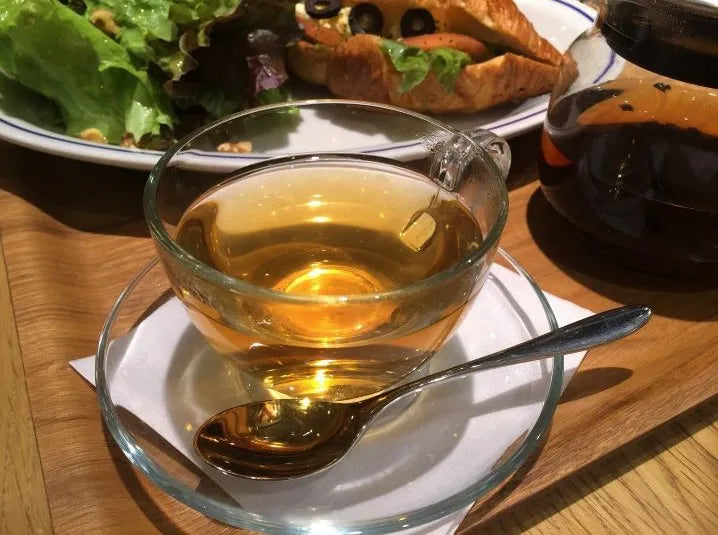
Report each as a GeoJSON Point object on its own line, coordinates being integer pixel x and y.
{"type": "Point", "coordinates": [633, 161]}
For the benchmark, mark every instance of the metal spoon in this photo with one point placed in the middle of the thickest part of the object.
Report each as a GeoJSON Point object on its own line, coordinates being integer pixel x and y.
{"type": "Point", "coordinates": [289, 438]}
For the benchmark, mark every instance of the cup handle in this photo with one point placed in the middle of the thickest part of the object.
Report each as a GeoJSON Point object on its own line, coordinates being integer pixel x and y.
{"type": "Point", "coordinates": [497, 148]}
{"type": "Point", "coordinates": [449, 162]}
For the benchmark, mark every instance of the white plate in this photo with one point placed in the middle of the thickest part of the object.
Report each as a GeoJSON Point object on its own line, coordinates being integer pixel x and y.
{"type": "Point", "coordinates": [25, 118]}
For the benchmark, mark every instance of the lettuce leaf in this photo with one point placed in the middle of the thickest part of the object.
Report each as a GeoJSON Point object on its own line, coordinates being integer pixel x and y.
{"type": "Point", "coordinates": [140, 21]}
{"type": "Point", "coordinates": [415, 64]}
{"type": "Point", "coordinates": [51, 49]}
{"type": "Point", "coordinates": [245, 58]}
{"type": "Point", "coordinates": [446, 64]}
{"type": "Point", "coordinates": [412, 62]}
{"type": "Point", "coordinates": [215, 53]}
{"type": "Point", "coordinates": [164, 31]}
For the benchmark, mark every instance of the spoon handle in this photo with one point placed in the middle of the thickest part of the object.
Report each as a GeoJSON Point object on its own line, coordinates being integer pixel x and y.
{"type": "Point", "coordinates": [589, 332]}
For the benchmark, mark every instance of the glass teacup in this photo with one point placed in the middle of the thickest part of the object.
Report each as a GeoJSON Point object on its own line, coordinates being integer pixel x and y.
{"type": "Point", "coordinates": [328, 248]}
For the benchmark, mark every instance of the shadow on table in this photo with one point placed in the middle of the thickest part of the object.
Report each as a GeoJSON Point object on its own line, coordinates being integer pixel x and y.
{"type": "Point", "coordinates": [87, 197]}
{"type": "Point", "coordinates": [108, 200]}
{"type": "Point", "coordinates": [532, 511]}
{"type": "Point", "coordinates": [592, 381]}
{"type": "Point", "coordinates": [690, 298]}
{"type": "Point", "coordinates": [524, 158]}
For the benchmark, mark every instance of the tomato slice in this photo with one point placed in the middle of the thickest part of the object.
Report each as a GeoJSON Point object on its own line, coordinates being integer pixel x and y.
{"type": "Point", "coordinates": [316, 33]}
{"type": "Point", "coordinates": [457, 41]}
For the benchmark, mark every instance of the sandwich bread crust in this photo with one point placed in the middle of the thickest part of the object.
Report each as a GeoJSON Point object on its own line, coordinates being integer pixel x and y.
{"type": "Point", "coordinates": [358, 69]}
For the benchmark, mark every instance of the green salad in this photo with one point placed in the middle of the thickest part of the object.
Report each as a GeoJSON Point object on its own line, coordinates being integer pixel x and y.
{"type": "Point", "coordinates": [126, 71]}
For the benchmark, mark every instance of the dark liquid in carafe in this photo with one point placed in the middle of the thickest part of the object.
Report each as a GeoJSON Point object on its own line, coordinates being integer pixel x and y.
{"type": "Point", "coordinates": [670, 38]}
{"type": "Point", "coordinates": [650, 188]}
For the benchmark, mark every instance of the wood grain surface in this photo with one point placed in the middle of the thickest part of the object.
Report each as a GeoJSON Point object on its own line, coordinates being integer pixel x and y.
{"type": "Point", "coordinates": [23, 504]}
{"type": "Point", "coordinates": [73, 235]}
{"type": "Point", "coordinates": [665, 482]}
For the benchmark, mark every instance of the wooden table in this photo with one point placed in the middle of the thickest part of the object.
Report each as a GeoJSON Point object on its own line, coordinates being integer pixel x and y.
{"type": "Point", "coordinates": [72, 234]}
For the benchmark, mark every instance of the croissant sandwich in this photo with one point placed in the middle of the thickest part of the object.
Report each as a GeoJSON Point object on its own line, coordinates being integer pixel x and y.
{"type": "Point", "coordinates": [436, 56]}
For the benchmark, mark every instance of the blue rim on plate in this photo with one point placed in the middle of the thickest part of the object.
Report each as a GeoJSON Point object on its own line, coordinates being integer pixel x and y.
{"type": "Point", "coordinates": [239, 517]}
{"type": "Point", "coordinates": [28, 135]}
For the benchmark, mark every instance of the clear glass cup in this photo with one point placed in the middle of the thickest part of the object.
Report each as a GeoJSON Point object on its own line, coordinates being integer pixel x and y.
{"type": "Point", "coordinates": [338, 345]}
{"type": "Point", "coordinates": [475, 432]}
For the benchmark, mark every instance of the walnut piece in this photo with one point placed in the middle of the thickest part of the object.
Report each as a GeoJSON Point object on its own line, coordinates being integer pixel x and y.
{"type": "Point", "coordinates": [93, 134]}
{"type": "Point", "coordinates": [102, 18]}
{"type": "Point", "coordinates": [239, 147]}
{"type": "Point", "coordinates": [128, 141]}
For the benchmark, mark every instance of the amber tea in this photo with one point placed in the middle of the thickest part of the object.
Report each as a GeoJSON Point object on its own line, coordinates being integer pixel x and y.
{"type": "Point", "coordinates": [334, 227]}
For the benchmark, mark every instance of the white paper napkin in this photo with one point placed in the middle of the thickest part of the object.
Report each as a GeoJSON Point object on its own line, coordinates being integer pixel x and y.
{"type": "Point", "coordinates": [172, 381]}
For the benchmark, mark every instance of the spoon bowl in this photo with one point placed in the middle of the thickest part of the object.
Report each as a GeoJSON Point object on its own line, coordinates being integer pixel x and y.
{"type": "Point", "coordinates": [290, 438]}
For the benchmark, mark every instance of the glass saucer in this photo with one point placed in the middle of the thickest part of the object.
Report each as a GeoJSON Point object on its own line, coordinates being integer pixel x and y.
{"type": "Point", "coordinates": [451, 445]}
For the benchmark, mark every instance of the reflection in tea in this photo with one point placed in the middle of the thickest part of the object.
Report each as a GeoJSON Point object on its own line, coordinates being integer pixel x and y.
{"type": "Point", "coordinates": [332, 227]}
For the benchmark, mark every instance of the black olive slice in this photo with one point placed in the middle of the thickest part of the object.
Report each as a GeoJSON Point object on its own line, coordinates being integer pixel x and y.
{"type": "Point", "coordinates": [322, 9]}
{"type": "Point", "coordinates": [366, 18]}
{"type": "Point", "coordinates": [417, 22]}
